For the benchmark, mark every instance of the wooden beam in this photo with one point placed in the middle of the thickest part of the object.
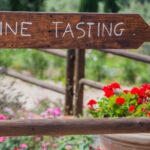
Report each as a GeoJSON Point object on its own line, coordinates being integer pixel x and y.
{"type": "Point", "coordinates": [91, 83]}
{"type": "Point", "coordinates": [70, 82]}
{"type": "Point", "coordinates": [130, 55]}
{"type": "Point", "coordinates": [79, 74]}
{"type": "Point", "coordinates": [74, 126]}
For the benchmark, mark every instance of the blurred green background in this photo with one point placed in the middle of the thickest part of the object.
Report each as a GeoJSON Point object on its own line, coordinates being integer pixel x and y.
{"type": "Point", "coordinates": [99, 66]}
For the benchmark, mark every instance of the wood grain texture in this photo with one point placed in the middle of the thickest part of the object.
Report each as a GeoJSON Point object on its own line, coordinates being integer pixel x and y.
{"type": "Point", "coordinates": [74, 126]}
{"type": "Point", "coordinates": [79, 74]}
{"type": "Point", "coordinates": [70, 67]}
{"type": "Point", "coordinates": [43, 32]}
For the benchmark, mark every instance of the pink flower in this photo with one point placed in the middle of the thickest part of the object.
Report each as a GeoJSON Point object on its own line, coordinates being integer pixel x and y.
{"type": "Point", "coordinates": [56, 112]}
{"type": "Point", "coordinates": [44, 146]}
{"type": "Point", "coordinates": [49, 111]}
{"type": "Point", "coordinates": [9, 111]}
{"type": "Point", "coordinates": [23, 146]}
{"type": "Point", "coordinates": [2, 139]}
{"type": "Point", "coordinates": [3, 117]}
{"type": "Point", "coordinates": [38, 138]}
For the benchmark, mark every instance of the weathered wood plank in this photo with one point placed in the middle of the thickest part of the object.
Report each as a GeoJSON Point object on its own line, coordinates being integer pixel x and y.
{"type": "Point", "coordinates": [127, 54]}
{"type": "Point", "coordinates": [79, 74]}
{"type": "Point", "coordinates": [74, 126]}
{"type": "Point", "coordinates": [70, 82]}
{"type": "Point", "coordinates": [72, 30]}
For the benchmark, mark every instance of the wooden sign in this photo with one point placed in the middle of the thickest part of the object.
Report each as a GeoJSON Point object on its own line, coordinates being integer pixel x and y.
{"type": "Point", "coordinates": [72, 30]}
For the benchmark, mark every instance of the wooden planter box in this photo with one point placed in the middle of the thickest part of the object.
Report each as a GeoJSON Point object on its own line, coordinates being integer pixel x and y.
{"type": "Point", "coordinates": [125, 142]}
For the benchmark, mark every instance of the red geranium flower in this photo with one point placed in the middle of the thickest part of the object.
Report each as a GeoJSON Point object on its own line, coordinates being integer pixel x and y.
{"type": "Point", "coordinates": [148, 114]}
{"type": "Point", "coordinates": [135, 90]}
{"type": "Point", "coordinates": [108, 91]}
{"type": "Point", "coordinates": [147, 93]}
{"type": "Point", "coordinates": [92, 102]}
{"type": "Point", "coordinates": [16, 148]}
{"type": "Point", "coordinates": [142, 92]}
{"type": "Point", "coordinates": [120, 100]}
{"type": "Point", "coordinates": [107, 88]}
{"type": "Point", "coordinates": [140, 101]}
{"type": "Point", "coordinates": [131, 108]}
{"type": "Point", "coordinates": [126, 91]}
{"type": "Point", "coordinates": [115, 85]}
{"type": "Point", "coordinates": [146, 86]}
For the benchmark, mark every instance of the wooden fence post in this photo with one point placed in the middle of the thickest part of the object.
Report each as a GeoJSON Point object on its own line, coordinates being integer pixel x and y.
{"type": "Point", "coordinates": [69, 82]}
{"type": "Point", "coordinates": [79, 74]}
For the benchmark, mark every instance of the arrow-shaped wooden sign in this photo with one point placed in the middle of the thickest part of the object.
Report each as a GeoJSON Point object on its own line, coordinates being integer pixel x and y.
{"type": "Point", "coordinates": [72, 30]}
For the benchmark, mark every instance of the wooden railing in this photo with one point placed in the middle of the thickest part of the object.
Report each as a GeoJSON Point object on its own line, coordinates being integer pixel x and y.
{"type": "Point", "coordinates": [74, 126]}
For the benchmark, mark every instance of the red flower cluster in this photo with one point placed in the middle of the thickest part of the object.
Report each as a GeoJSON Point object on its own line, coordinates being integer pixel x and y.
{"type": "Point", "coordinates": [109, 90]}
{"type": "Point", "coordinates": [120, 100]}
{"type": "Point", "coordinates": [135, 102]}
{"type": "Point", "coordinates": [143, 93]}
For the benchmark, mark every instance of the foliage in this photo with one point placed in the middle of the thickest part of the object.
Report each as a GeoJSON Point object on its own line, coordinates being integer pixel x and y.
{"type": "Point", "coordinates": [136, 6]}
{"type": "Point", "coordinates": [111, 6]}
{"type": "Point", "coordinates": [61, 6]}
{"type": "Point", "coordinates": [118, 103]}
{"type": "Point", "coordinates": [96, 67]}
{"type": "Point", "coordinates": [135, 72]}
{"type": "Point", "coordinates": [4, 61]}
{"type": "Point", "coordinates": [43, 142]}
{"type": "Point", "coordinates": [39, 64]}
{"type": "Point", "coordinates": [36, 63]}
{"type": "Point", "coordinates": [47, 143]}
{"type": "Point", "coordinates": [5, 5]}
{"type": "Point", "coordinates": [88, 6]}
{"type": "Point", "coordinates": [9, 99]}
{"type": "Point", "coordinates": [106, 68]}
{"type": "Point", "coordinates": [26, 5]}
{"type": "Point", "coordinates": [76, 142]}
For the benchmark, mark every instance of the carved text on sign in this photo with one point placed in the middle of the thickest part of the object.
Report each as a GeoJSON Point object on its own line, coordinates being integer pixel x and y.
{"type": "Point", "coordinates": [18, 28]}
{"type": "Point", "coordinates": [102, 29]}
